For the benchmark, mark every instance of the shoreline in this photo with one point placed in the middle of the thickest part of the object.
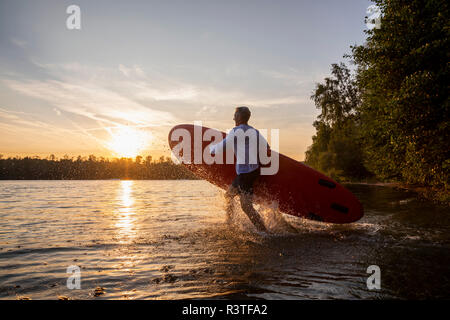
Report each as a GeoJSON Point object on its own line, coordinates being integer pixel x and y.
{"type": "Point", "coordinates": [438, 196]}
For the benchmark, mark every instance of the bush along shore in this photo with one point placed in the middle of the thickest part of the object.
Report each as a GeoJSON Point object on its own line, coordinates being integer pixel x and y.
{"type": "Point", "coordinates": [387, 118]}
{"type": "Point", "coordinates": [92, 168]}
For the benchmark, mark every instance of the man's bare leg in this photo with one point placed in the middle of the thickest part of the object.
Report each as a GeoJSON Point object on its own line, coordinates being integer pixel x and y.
{"type": "Point", "coordinates": [247, 207]}
{"type": "Point", "coordinates": [229, 195]}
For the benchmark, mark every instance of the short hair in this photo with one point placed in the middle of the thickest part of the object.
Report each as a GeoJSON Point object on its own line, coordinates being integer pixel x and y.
{"type": "Point", "coordinates": [244, 112]}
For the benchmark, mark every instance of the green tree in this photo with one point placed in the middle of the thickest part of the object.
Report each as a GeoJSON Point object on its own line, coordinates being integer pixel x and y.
{"type": "Point", "coordinates": [336, 149]}
{"type": "Point", "coordinates": [403, 77]}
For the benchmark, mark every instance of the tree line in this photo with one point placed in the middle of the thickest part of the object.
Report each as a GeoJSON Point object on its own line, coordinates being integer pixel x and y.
{"type": "Point", "coordinates": [82, 168]}
{"type": "Point", "coordinates": [387, 118]}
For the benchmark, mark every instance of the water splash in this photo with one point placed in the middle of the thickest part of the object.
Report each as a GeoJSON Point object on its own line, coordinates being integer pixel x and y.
{"type": "Point", "coordinates": [273, 219]}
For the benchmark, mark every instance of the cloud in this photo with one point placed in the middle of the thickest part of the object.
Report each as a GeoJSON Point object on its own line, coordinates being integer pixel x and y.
{"type": "Point", "coordinates": [33, 133]}
{"type": "Point", "coordinates": [19, 119]}
{"type": "Point", "coordinates": [157, 87]}
{"type": "Point", "coordinates": [294, 77]}
{"type": "Point", "coordinates": [269, 102]}
{"type": "Point", "coordinates": [128, 72]}
{"type": "Point", "coordinates": [178, 94]}
{"type": "Point", "coordinates": [90, 96]}
{"type": "Point", "coordinates": [126, 95]}
{"type": "Point", "coordinates": [19, 43]}
{"type": "Point", "coordinates": [206, 110]}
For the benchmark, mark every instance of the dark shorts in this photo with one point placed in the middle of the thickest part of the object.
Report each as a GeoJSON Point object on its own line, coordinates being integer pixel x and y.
{"type": "Point", "coordinates": [244, 181]}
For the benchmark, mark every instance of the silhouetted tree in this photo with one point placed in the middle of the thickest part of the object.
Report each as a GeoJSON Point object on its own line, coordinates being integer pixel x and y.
{"type": "Point", "coordinates": [92, 168]}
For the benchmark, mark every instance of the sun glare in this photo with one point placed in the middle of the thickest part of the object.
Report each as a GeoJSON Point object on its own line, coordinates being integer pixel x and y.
{"type": "Point", "coordinates": [128, 142]}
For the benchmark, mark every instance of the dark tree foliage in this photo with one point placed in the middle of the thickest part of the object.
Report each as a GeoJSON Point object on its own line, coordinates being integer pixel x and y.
{"type": "Point", "coordinates": [336, 148]}
{"type": "Point", "coordinates": [337, 98]}
{"type": "Point", "coordinates": [403, 78]}
{"type": "Point", "coordinates": [91, 168]}
{"type": "Point", "coordinates": [395, 115]}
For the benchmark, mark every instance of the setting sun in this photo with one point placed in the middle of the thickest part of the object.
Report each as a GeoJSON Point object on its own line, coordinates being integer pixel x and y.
{"type": "Point", "coordinates": [128, 142]}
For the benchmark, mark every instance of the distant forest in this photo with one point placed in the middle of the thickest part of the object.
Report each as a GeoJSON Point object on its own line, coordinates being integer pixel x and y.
{"type": "Point", "coordinates": [388, 117]}
{"type": "Point", "coordinates": [91, 168]}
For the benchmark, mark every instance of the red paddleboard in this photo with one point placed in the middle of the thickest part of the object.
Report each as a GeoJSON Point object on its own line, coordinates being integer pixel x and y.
{"type": "Point", "coordinates": [298, 189]}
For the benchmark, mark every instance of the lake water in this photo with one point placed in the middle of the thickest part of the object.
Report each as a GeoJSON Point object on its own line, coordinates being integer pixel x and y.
{"type": "Point", "coordinates": [169, 240]}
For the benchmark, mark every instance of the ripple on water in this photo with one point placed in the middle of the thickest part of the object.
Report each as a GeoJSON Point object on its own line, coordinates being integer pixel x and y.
{"type": "Point", "coordinates": [169, 240]}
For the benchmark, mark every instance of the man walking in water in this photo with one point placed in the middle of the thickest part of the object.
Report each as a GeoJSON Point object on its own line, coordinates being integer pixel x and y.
{"type": "Point", "coordinates": [248, 170]}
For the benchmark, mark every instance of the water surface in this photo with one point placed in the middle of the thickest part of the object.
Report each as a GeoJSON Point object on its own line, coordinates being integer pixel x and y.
{"type": "Point", "coordinates": [169, 240]}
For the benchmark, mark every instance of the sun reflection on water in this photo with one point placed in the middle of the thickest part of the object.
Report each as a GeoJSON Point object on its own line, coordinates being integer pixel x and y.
{"type": "Point", "coordinates": [125, 222]}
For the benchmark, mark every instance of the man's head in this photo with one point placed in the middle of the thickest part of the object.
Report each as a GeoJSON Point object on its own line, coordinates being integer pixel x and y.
{"type": "Point", "coordinates": [241, 115]}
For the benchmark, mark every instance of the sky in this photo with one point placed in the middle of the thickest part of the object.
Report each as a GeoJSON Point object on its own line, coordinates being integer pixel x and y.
{"type": "Point", "coordinates": [135, 69]}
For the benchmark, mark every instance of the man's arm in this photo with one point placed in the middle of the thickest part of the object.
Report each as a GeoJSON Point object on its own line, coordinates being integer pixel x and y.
{"type": "Point", "coordinates": [217, 148]}
{"type": "Point", "coordinates": [262, 142]}
{"type": "Point", "coordinates": [220, 147]}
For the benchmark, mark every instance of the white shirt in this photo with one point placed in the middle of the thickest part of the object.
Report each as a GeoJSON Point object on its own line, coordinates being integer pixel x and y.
{"type": "Point", "coordinates": [246, 146]}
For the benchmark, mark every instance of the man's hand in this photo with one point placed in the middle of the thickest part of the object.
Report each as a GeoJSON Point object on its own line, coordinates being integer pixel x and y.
{"type": "Point", "coordinates": [212, 150]}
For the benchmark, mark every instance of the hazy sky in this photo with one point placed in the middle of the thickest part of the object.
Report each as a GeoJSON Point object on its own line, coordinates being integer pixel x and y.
{"type": "Point", "coordinates": [149, 65]}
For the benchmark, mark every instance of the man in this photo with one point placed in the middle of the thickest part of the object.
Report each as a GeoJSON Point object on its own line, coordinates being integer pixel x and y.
{"type": "Point", "coordinates": [246, 141]}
